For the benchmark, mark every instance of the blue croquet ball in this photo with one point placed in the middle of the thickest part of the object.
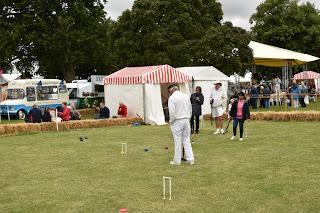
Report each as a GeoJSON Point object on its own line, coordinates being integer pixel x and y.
{"type": "Point", "coordinates": [146, 149]}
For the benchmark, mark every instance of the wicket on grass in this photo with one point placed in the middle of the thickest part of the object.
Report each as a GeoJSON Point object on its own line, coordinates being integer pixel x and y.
{"type": "Point", "coordinates": [124, 148]}
{"type": "Point", "coordinates": [164, 187]}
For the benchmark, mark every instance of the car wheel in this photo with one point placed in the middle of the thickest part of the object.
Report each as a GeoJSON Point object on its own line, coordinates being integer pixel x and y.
{"type": "Point", "coordinates": [21, 114]}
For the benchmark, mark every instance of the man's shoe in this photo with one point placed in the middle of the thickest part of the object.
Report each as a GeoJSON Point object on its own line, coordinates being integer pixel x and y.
{"type": "Point", "coordinates": [174, 164]}
{"type": "Point", "coordinates": [232, 138]}
{"type": "Point", "coordinates": [197, 132]}
{"type": "Point", "coordinates": [217, 132]}
{"type": "Point", "coordinates": [221, 131]}
{"type": "Point", "coordinates": [190, 162]}
{"type": "Point", "coordinates": [192, 131]}
{"type": "Point", "coordinates": [241, 139]}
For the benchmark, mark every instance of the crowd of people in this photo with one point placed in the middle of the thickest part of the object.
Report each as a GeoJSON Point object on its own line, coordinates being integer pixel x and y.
{"type": "Point", "coordinates": [271, 93]}
{"type": "Point", "coordinates": [67, 113]}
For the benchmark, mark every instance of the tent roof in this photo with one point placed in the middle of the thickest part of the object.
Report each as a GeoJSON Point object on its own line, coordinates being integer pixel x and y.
{"type": "Point", "coordinates": [268, 55]}
{"type": "Point", "coordinates": [306, 75]}
{"type": "Point", "coordinates": [150, 74]}
{"type": "Point", "coordinates": [204, 73]}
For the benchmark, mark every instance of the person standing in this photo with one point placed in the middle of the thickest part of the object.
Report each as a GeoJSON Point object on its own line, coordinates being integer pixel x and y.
{"type": "Point", "coordinates": [239, 113]}
{"type": "Point", "coordinates": [218, 101]}
{"type": "Point", "coordinates": [254, 95]}
{"type": "Point", "coordinates": [304, 93]}
{"type": "Point", "coordinates": [266, 96]}
{"type": "Point", "coordinates": [277, 89]}
{"type": "Point", "coordinates": [197, 100]}
{"type": "Point", "coordinates": [295, 92]}
{"type": "Point", "coordinates": [180, 111]}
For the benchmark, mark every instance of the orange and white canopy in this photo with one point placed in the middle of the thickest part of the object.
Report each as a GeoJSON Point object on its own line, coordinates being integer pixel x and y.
{"type": "Point", "coordinates": [150, 74]}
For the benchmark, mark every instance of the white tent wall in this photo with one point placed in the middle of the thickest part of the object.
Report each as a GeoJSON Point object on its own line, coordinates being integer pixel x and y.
{"type": "Point", "coordinates": [153, 105]}
{"type": "Point", "coordinates": [130, 95]}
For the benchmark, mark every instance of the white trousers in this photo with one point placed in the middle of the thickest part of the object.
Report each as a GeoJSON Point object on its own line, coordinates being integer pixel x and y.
{"type": "Point", "coordinates": [296, 103]}
{"type": "Point", "coordinates": [181, 134]}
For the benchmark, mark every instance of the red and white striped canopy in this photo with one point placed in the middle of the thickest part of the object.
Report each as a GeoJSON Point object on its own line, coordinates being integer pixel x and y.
{"type": "Point", "coordinates": [306, 75]}
{"type": "Point", "coordinates": [151, 74]}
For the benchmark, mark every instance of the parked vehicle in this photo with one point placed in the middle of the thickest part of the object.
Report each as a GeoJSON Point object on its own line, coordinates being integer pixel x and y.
{"type": "Point", "coordinates": [23, 94]}
{"type": "Point", "coordinates": [84, 92]}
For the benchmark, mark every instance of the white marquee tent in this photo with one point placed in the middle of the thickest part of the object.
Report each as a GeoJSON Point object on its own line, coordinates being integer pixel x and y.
{"type": "Point", "coordinates": [205, 77]}
{"type": "Point", "coordinates": [271, 56]}
{"type": "Point", "coordinates": [143, 90]}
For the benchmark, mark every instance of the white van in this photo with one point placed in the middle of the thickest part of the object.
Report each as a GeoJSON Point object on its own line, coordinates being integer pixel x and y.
{"type": "Point", "coordinates": [23, 94]}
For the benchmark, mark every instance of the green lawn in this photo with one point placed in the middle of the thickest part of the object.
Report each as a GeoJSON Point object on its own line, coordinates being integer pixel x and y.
{"type": "Point", "coordinates": [276, 169]}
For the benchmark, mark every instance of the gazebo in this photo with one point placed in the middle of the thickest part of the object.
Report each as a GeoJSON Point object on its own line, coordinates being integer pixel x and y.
{"type": "Point", "coordinates": [271, 56]}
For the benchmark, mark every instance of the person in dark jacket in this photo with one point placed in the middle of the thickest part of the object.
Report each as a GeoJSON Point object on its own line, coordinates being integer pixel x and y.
{"type": "Point", "coordinates": [104, 112]}
{"type": "Point", "coordinates": [197, 100]}
{"type": "Point", "coordinates": [239, 113]}
{"type": "Point", "coordinates": [266, 96]}
{"type": "Point", "coordinates": [35, 115]}
{"type": "Point", "coordinates": [46, 116]}
{"type": "Point", "coordinates": [254, 95]}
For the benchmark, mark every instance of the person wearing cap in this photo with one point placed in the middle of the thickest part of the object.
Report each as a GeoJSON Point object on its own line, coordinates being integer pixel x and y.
{"type": "Point", "coordinates": [180, 111]}
{"type": "Point", "coordinates": [218, 101]}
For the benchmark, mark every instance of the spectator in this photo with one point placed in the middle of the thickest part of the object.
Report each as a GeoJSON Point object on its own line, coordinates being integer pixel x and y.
{"type": "Point", "coordinates": [266, 96]}
{"type": "Point", "coordinates": [295, 93]}
{"type": "Point", "coordinates": [239, 112]}
{"type": "Point", "coordinates": [65, 114]}
{"type": "Point", "coordinates": [35, 115]}
{"type": "Point", "coordinates": [75, 114]}
{"type": "Point", "coordinates": [46, 116]}
{"type": "Point", "coordinates": [122, 110]}
{"type": "Point", "coordinates": [104, 112]}
{"type": "Point", "coordinates": [304, 91]}
{"type": "Point", "coordinates": [197, 100]}
{"type": "Point", "coordinates": [218, 100]}
{"type": "Point", "coordinates": [254, 95]}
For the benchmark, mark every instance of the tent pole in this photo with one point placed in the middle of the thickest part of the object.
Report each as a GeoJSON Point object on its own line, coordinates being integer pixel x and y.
{"type": "Point", "coordinates": [144, 102]}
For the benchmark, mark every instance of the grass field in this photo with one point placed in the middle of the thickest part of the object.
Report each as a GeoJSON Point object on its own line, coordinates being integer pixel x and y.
{"type": "Point", "coordinates": [276, 169]}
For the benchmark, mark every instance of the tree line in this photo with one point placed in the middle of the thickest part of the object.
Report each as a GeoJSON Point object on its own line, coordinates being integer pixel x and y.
{"type": "Point", "coordinates": [65, 39]}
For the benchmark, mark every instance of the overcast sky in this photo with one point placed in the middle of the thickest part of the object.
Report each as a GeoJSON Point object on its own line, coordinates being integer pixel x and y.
{"type": "Point", "coordinates": [237, 11]}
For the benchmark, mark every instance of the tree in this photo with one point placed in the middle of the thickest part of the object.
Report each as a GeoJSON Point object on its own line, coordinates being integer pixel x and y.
{"type": "Point", "coordinates": [179, 33]}
{"type": "Point", "coordinates": [225, 47]}
{"type": "Point", "coordinates": [287, 24]}
{"type": "Point", "coordinates": [162, 31]}
{"type": "Point", "coordinates": [62, 38]}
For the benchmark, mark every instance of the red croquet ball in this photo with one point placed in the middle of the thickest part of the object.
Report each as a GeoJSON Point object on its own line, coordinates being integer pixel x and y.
{"type": "Point", "coordinates": [123, 210]}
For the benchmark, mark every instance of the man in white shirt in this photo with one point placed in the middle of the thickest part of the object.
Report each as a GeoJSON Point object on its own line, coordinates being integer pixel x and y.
{"type": "Point", "coordinates": [277, 88]}
{"type": "Point", "coordinates": [218, 101]}
{"type": "Point", "coordinates": [180, 113]}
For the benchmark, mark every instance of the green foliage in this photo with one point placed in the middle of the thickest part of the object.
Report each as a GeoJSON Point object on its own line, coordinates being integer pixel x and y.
{"type": "Point", "coordinates": [63, 38]}
{"type": "Point", "coordinates": [179, 33]}
{"type": "Point", "coordinates": [288, 24]}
